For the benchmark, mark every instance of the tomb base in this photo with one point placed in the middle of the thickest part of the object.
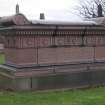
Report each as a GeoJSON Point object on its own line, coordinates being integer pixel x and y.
{"type": "Point", "coordinates": [52, 76]}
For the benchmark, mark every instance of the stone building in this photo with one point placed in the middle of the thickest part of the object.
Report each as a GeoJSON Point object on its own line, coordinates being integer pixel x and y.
{"type": "Point", "coordinates": [51, 54]}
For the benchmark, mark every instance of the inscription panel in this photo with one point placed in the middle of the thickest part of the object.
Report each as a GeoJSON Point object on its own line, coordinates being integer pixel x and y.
{"type": "Point", "coordinates": [74, 54]}
{"type": "Point", "coordinates": [46, 55]}
{"type": "Point", "coordinates": [65, 55]}
{"type": "Point", "coordinates": [11, 56]}
{"type": "Point", "coordinates": [27, 56]}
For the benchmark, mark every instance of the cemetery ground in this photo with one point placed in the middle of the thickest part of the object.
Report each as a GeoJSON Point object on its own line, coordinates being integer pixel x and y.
{"type": "Point", "coordinates": [90, 96]}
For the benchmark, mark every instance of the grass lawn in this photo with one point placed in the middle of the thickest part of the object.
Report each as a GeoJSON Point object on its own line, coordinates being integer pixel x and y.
{"type": "Point", "coordinates": [94, 96]}
{"type": "Point", "coordinates": [2, 58]}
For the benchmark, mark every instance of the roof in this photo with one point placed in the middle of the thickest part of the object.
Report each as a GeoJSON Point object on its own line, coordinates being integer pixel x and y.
{"type": "Point", "coordinates": [20, 19]}
{"type": "Point", "coordinates": [51, 22]}
{"type": "Point", "coordinates": [17, 19]}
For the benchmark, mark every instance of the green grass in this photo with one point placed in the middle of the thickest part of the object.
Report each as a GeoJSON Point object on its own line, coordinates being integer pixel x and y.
{"type": "Point", "coordinates": [95, 96]}
{"type": "Point", "coordinates": [2, 58]}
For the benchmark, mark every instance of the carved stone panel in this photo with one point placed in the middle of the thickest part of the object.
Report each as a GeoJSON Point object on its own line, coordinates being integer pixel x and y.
{"type": "Point", "coordinates": [28, 42]}
{"type": "Point", "coordinates": [68, 40]}
{"type": "Point", "coordinates": [73, 40]}
{"type": "Point", "coordinates": [94, 40]}
{"type": "Point", "coordinates": [44, 41]}
{"type": "Point", "coordinates": [59, 40]}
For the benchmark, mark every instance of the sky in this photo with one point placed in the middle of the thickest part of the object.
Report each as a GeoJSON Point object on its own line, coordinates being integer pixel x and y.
{"type": "Point", "coordinates": [53, 9]}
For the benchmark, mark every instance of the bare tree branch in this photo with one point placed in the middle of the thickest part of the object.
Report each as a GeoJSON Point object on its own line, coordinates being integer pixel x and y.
{"type": "Point", "coordinates": [90, 8]}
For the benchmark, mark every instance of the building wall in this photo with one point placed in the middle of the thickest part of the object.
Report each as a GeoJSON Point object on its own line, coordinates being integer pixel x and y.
{"type": "Point", "coordinates": [43, 47]}
{"type": "Point", "coordinates": [64, 55]}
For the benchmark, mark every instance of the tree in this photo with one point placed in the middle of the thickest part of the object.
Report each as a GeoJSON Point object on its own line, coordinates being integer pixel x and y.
{"type": "Point", "coordinates": [91, 8]}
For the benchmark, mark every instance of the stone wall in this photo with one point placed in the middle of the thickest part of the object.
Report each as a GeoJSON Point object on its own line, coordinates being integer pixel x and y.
{"type": "Point", "coordinates": [45, 47]}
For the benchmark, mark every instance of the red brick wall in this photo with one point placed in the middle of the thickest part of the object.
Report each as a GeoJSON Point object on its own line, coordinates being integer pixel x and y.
{"type": "Point", "coordinates": [21, 56]}
{"type": "Point", "coordinates": [29, 49]}
{"type": "Point", "coordinates": [65, 55]}
{"type": "Point", "coordinates": [100, 53]}
{"type": "Point", "coordinates": [49, 55]}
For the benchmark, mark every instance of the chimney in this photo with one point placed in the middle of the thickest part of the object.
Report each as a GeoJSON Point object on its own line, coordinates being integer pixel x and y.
{"type": "Point", "coordinates": [100, 11]}
{"type": "Point", "coordinates": [42, 17]}
{"type": "Point", "coordinates": [17, 9]}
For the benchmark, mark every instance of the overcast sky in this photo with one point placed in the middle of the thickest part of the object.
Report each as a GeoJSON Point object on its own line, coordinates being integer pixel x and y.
{"type": "Point", "coordinates": [53, 9]}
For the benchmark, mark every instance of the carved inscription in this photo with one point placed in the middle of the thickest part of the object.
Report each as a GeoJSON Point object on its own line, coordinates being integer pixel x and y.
{"type": "Point", "coordinates": [79, 40]}
{"type": "Point", "coordinates": [94, 40]}
{"type": "Point", "coordinates": [68, 40]}
{"type": "Point", "coordinates": [33, 41]}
